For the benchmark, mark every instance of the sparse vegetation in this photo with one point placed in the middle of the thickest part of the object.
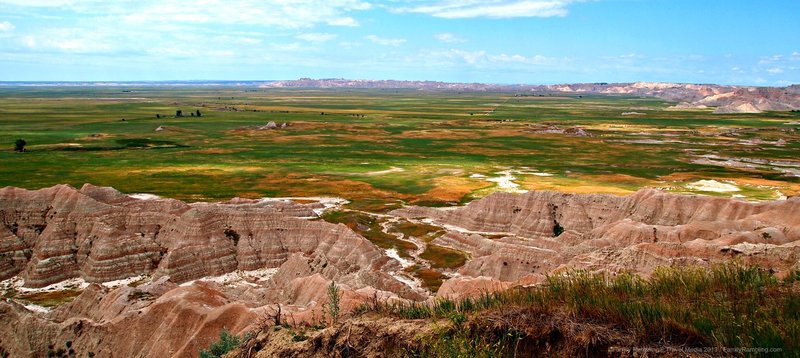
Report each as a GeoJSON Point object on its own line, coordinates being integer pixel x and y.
{"type": "Point", "coordinates": [333, 308]}
{"type": "Point", "coordinates": [299, 337]}
{"type": "Point", "coordinates": [430, 135]}
{"type": "Point", "coordinates": [62, 352]}
{"type": "Point", "coordinates": [424, 232]}
{"type": "Point", "coordinates": [725, 306]}
{"type": "Point", "coordinates": [226, 343]}
{"type": "Point", "coordinates": [442, 257]}
{"type": "Point", "coordinates": [431, 279]}
{"type": "Point", "coordinates": [47, 299]}
{"type": "Point", "coordinates": [369, 227]}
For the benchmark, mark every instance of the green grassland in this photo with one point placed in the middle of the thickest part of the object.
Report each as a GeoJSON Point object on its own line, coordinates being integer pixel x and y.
{"type": "Point", "coordinates": [725, 306]}
{"type": "Point", "coordinates": [380, 148]}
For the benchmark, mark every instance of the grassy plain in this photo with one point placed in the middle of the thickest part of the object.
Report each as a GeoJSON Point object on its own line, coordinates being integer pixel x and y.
{"type": "Point", "coordinates": [381, 148]}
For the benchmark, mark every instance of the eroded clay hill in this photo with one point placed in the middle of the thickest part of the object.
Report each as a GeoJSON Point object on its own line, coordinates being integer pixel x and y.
{"type": "Point", "coordinates": [184, 252]}
{"type": "Point", "coordinates": [100, 235]}
{"type": "Point", "coordinates": [511, 237]}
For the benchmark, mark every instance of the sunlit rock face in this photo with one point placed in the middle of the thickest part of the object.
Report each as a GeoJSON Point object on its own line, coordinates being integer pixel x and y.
{"type": "Point", "coordinates": [208, 266]}
{"type": "Point", "coordinates": [100, 235]}
{"type": "Point", "coordinates": [512, 237]}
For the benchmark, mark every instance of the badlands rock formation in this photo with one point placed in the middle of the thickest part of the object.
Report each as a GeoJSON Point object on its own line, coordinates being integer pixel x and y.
{"type": "Point", "coordinates": [521, 237]}
{"type": "Point", "coordinates": [100, 235]}
{"type": "Point", "coordinates": [726, 99]}
{"type": "Point", "coordinates": [233, 265]}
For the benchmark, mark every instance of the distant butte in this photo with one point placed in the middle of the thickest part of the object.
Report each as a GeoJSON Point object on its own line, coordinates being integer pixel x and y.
{"type": "Point", "coordinates": [724, 98]}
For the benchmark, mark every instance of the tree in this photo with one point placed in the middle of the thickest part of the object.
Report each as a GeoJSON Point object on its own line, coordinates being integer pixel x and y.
{"type": "Point", "coordinates": [333, 302]}
{"type": "Point", "coordinates": [19, 145]}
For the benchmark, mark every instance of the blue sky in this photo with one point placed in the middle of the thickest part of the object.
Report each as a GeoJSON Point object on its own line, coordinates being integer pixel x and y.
{"type": "Point", "coordinates": [492, 41]}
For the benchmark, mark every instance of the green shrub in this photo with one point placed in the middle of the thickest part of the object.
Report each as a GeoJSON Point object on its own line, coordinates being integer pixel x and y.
{"type": "Point", "coordinates": [333, 302]}
{"type": "Point", "coordinates": [226, 343]}
{"type": "Point", "coordinates": [19, 145]}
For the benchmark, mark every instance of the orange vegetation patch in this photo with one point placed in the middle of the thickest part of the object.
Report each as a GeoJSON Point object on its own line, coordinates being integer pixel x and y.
{"type": "Point", "coordinates": [444, 134]}
{"type": "Point", "coordinates": [452, 188]}
{"type": "Point", "coordinates": [250, 195]}
{"type": "Point", "coordinates": [681, 176]}
{"type": "Point", "coordinates": [621, 179]}
{"type": "Point", "coordinates": [340, 111]}
{"type": "Point", "coordinates": [617, 127]}
{"type": "Point", "coordinates": [615, 184]}
{"type": "Point", "coordinates": [276, 137]}
{"type": "Point", "coordinates": [294, 184]}
{"type": "Point", "coordinates": [205, 169]}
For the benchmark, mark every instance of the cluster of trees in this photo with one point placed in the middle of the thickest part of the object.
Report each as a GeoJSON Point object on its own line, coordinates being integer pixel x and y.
{"type": "Point", "coordinates": [179, 113]}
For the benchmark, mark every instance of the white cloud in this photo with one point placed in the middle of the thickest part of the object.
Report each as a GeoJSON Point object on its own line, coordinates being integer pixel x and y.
{"type": "Point", "coordinates": [483, 59]}
{"type": "Point", "coordinates": [147, 28]}
{"type": "Point", "coordinates": [29, 41]}
{"type": "Point", "coordinates": [293, 14]}
{"type": "Point", "coordinates": [348, 45]}
{"type": "Point", "coordinates": [343, 21]}
{"type": "Point", "coordinates": [449, 38]}
{"type": "Point", "coordinates": [470, 57]}
{"type": "Point", "coordinates": [316, 37]}
{"type": "Point", "coordinates": [38, 3]}
{"type": "Point", "coordinates": [6, 26]}
{"type": "Point", "coordinates": [508, 58]}
{"type": "Point", "coordinates": [386, 41]}
{"type": "Point", "coordinates": [279, 13]}
{"type": "Point", "coordinates": [459, 9]}
{"type": "Point", "coordinates": [238, 40]}
{"type": "Point", "coordinates": [69, 40]}
{"type": "Point", "coordinates": [291, 47]}
{"type": "Point", "coordinates": [775, 70]}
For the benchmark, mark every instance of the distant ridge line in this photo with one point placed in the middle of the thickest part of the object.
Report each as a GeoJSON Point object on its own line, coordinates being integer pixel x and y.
{"type": "Point", "coordinates": [721, 98]}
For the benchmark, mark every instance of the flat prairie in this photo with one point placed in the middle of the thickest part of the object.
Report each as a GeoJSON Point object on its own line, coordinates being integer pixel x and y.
{"type": "Point", "coordinates": [381, 148]}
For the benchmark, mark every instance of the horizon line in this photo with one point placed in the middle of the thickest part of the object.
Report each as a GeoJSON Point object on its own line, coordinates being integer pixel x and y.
{"type": "Point", "coordinates": [212, 81]}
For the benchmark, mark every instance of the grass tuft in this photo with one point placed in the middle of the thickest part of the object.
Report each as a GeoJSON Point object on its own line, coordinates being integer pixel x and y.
{"type": "Point", "coordinates": [726, 306]}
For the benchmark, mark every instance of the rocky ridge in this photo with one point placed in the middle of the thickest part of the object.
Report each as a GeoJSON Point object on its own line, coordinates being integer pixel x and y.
{"type": "Point", "coordinates": [513, 237]}
{"type": "Point", "coordinates": [284, 259]}
{"type": "Point", "coordinates": [725, 99]}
